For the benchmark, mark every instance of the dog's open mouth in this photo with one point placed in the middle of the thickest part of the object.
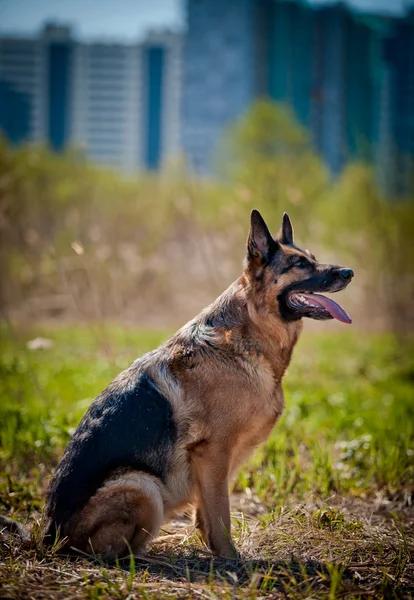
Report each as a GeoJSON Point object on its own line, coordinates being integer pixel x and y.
{"type": "Point", "coordinates": [317, 306]}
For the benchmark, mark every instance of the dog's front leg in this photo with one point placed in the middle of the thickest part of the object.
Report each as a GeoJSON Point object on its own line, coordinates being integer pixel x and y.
{"type": "Point", "coordinates": [211, 468]}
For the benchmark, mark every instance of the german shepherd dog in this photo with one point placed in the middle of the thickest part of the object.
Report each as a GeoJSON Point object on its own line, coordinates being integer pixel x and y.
{"type": "Point", "coordinates": [172, 429]}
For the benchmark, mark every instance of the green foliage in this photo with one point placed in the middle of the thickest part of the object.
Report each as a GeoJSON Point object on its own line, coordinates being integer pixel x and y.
{"type": "Point", "coordinates": [266, 134]}
{"type": "Point", "coordinates": [82, 241]}
{"type": "Point", "coordinates": [270, 153]}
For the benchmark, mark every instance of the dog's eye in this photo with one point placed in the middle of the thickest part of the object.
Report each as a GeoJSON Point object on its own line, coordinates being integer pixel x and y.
{"type": "Point", "coordinates": [300, 263]}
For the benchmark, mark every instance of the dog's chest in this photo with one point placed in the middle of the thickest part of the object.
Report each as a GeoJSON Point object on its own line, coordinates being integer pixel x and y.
{"type": "Point", "coordinates": [258, 412]}
{"type": "Point", "coordinates": [247, 439]}
{"type": "Point", "coordinates": [267, 394]}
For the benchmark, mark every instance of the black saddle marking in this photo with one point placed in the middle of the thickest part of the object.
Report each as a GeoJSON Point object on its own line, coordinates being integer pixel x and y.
{"type": "Point", "coordinates": [125, 428]}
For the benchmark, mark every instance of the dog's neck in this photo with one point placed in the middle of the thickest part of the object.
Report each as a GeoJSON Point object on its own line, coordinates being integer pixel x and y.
{"type": "Point", "coordinates": [276, 338]}
{"type": "Point", "coordinates": [252, 329]}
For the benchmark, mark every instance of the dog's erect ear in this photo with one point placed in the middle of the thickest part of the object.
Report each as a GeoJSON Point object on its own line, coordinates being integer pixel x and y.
{"type": "Point", "coordinates": [285, 235]}
{"type": "Point", "coordinates": [260, 244]}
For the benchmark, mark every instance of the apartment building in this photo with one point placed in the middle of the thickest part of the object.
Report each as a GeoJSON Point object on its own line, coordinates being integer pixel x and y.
{"type": "Point", "coordinates": [120, 103]}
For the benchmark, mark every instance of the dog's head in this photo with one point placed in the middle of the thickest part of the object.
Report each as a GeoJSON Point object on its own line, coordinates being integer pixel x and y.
{"type": "Point", "coordinates": [285, 280]}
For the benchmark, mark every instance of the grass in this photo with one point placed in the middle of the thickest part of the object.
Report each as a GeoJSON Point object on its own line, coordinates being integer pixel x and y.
{"type": "Point", "coordinates": [323, 510]}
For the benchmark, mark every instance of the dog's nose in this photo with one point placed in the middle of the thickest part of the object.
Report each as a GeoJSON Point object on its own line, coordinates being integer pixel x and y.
{"type": "Point", "coordinates": [346, 274]}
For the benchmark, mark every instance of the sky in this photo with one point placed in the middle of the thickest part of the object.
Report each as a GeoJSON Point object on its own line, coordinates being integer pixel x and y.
{"type": "Point", "coordinates": [90, 19]}
{"type": "Point", "coordinates": [125, 20]}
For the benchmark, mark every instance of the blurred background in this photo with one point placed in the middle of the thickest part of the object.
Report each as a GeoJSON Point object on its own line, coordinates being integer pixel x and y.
{"type": "Point", "coordinates": [136, 136]}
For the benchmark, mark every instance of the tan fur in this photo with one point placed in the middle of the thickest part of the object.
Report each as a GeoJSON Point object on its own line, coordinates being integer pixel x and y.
{"type": "Point", "coordinates": [125, 513]}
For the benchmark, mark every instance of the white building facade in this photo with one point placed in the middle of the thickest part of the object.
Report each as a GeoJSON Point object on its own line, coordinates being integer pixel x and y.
{"type": "Point", "coordinates": [120, 103]}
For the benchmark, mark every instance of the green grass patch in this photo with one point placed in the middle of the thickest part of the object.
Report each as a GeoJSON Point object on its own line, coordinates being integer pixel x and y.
{"type": "Point", "coordinates": [348, 424]}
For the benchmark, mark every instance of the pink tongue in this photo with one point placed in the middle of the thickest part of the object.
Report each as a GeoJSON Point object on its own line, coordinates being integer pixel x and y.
{"type": "Point", "coordinates": [336, 311]}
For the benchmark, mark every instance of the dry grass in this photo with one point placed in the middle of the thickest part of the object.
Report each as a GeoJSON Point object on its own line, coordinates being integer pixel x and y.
{"type": "Point", "coordinates": [348, 548]}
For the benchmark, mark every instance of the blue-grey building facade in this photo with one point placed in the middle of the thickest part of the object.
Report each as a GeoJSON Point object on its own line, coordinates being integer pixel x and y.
{"type": "Point", "coordinates": [346, 69]}
{"type": "Point", "coordinates": [220, 71]}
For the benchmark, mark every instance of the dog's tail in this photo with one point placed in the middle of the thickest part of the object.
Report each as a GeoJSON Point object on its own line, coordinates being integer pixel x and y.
{"type": "Point", "coordinates": [13, 528]}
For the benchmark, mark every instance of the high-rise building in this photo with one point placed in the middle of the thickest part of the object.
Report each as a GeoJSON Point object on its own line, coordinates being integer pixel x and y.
{"type": "Point", "coordinates": [119, 102]}
{"type": "Point", "coordinates": [220, 70]}
{"type": "Point", "coordinates": [346, 69]}
{"type": "Point", "coordinates": [106, 103]}
{"type": "Point", "coordinates": [23, 89]}
{"type": "Point", "coordinates": [348, 75]}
